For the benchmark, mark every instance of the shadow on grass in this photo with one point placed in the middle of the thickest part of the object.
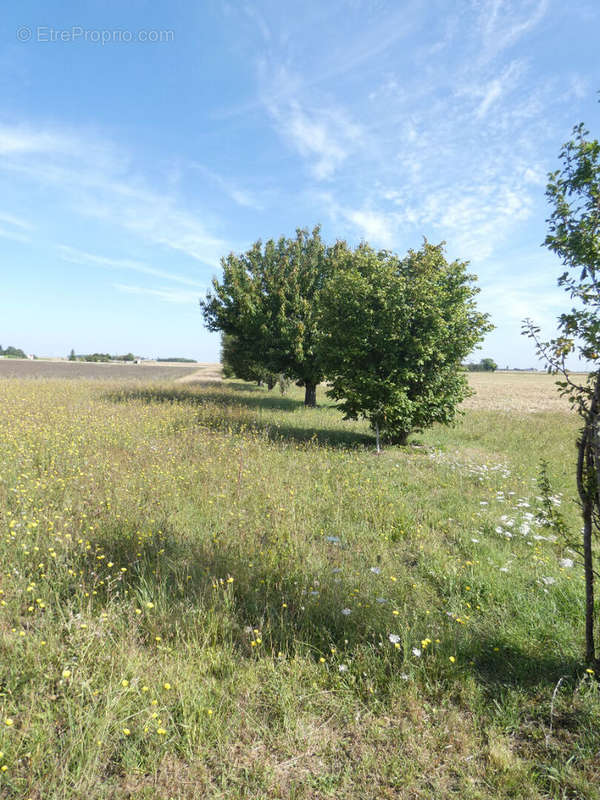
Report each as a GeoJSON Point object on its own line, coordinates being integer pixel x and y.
{"type": "Point", "coordinates": [217, 594]}
{"type": "Point", "coordinates": [247, 396]}
{"type": "Point", "coordinates": [269, 593]}
{"type": "Point", "coordinates": [497, 663]}
{"type": "Point", "coordinates": [223, 410]}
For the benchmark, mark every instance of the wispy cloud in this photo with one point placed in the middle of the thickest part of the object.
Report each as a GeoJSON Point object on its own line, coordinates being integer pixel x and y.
{"type": "Point", "coordinates": [95, 179]}
{"type": "Point", "coordinates": [378, 227]}
{"type": "Point", "coordinates": [76, 256]}
{"type": "Point", "coordinates": [14, 228]}
{"type": "Point", "coordinates": [167, 295]}
{"type": "Point", "coordinates": [323, 133]}
{"type": "Point", "coordinates": [474, 218]}
{"type": "Point", "coordinates": [15, 236]}
{"type": "Point", "coordinates": [326, 137]}
{"type": "Point", "coordinates": [503, 23]}
{"type": "Point", "coordinates": [16, 222]}
{"type": "Point", "coordinates": [578, 88]}
{"type": "Point", "coordinates": [498, 87]}
{"type": "Point", "coordinates": [242, 197]}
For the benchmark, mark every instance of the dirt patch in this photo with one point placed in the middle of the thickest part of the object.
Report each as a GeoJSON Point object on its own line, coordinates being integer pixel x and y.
{"type": "Point", "coordinates": [205, 373]}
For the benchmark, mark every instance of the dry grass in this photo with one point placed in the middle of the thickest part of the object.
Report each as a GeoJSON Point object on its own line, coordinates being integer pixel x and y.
{"type": "Point", "coordinates": [206, 373]}
{"type": "Point", "coordinates": [515, 392]}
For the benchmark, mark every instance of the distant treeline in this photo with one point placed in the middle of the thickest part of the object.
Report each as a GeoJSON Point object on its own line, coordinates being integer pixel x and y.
{"type": "Point", "coordinates": [12, 352]}
{"type": "Point", "coordinates": [99, 357]}
{"type": "Point", "coordinates": [73, 356]}
{"type": "Point", "coordinates": [179, 360]}
{"type": "Point", "coordinates": [485, 365]}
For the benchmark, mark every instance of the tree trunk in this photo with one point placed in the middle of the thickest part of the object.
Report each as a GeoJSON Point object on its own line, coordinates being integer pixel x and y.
{"type": "Point", "coordinates": [310, 394]}
{"type": "Point", "coordinates": [588, 460]}
{"type": "Point", "coordinates": [590, 647]}
{"type": "Point", "coordinates": [402, 438]}
{"type": "Point", "coordinates": [591, 506]}
{"type": "Point", "coordinates": [270, 382]}
{"type": "Point", "coordinates": [377, 438]}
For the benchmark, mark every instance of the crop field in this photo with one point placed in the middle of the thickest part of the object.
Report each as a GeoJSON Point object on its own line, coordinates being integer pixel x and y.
{"type": "Point", "coordinates": [18, 368]}
{"type": "Point", "coordinates": [207, 590]}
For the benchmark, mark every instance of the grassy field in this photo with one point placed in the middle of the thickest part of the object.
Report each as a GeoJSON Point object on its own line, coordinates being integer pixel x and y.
{"type": "Point", "coordinates": [209, 591]}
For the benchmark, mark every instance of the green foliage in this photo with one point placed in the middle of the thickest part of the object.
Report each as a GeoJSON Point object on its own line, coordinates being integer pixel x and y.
{"type": "Point", "coordinates": [200, 536]}
{"type": "Point", "coordinates": [395, 331]}
{"type": "Point", "coordinates": [12, 352]}
{"type": "Point", "coordinates": [574, 235]}
{"type": "Point", "coordinates": [105, 357]}
{"type": "Point", "coordinates": [178, 360]}
{"type": "Point", "coordinates": [238, 360]}
{"type": "Point", "coordinates": [574, 225]}
{"type": "Point", "coordinates": [485, 365]}
{"type": "Point", "coordinates": [96, 357]}
{"type": "Point", "coordinates": [269, 300]}
{"type": "Point", "coordinates": [550, 515]}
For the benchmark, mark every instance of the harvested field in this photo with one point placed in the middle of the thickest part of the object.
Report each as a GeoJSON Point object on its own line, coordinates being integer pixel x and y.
{"type": "Point", "coordinates": [21, 368]}
{"type": "Point", "coordinates": [516, 392]}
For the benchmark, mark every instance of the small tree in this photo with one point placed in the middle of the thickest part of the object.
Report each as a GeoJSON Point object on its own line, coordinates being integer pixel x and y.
{"type": "Point", "coordinates": [574, 235]}
{"type": "Point", "coordinates": [395, 332]}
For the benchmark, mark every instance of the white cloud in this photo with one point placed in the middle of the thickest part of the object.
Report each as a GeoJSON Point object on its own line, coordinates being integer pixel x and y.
{"type": "Point", "coordinates": [95, 180]}
{"type": "Point", "coordinates": [503, 22]}
{"type": "Point", "coordinates": [578, 87]}
{"type": "Point", "coordinates": [75, 256]}
{"type": "Point", "coordinates": [376, 227]}
{"type": "Point", "coordinates": [14, 228]}
{"type": "Point", "coordinates": [324, 134]}
{"type": "Point", "coordinates": [21, 139]}
{"type": "Point", "coordinates": [15, 236]}
{"type": "Point", "coordinates": [167, 295]}
{"type": "Point", "coordinates": [242, 197]}
{"type": "Point", "coordinates": [325, 137]}
{"type": "Point", "coordinates": [492, 90]}
{"type": "Point", "coordinates": [17, 222]}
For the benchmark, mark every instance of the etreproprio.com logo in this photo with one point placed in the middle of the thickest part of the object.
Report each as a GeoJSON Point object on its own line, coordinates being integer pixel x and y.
{"type": "Point", "coordinates": [102, 36]}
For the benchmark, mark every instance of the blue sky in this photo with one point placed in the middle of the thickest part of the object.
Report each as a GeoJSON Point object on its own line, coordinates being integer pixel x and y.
{"type": "Point", "coordinates": [129, 167]}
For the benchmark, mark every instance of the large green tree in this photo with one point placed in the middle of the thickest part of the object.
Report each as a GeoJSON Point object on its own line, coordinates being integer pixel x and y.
{"type": "Point", "coordinates": [574, 235]}
{"type": "Point", "coordinates": [239, 360]}
{"type": "Point", "coordinates": [269, 299]}
{"type": "Point", "coordinates": [395, 331]}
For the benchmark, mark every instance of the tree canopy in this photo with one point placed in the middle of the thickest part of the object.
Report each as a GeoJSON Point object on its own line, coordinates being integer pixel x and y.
{"type": "Point", "coordinates": [238, 358]}
{"type": "Point", "coordinates": [268, 299]}
{"type": "Point", "coordinates": [12, 352]}
{"type": "Point", "coordinates": [394, 333]}
{"type": "Point", "coordinates": [573, 192]}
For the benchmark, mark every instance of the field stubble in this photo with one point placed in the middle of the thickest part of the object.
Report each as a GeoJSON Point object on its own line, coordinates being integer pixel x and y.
{"type": "Point", "coordinates": [209, 590]}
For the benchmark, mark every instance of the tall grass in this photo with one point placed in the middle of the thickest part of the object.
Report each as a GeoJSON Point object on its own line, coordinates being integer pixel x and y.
{"type": "Point", "coordinates": [212, 591]}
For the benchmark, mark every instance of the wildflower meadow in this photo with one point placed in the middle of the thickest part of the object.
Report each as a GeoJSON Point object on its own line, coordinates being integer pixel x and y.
{"type": "Point", "coordinates": [209, 590]}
